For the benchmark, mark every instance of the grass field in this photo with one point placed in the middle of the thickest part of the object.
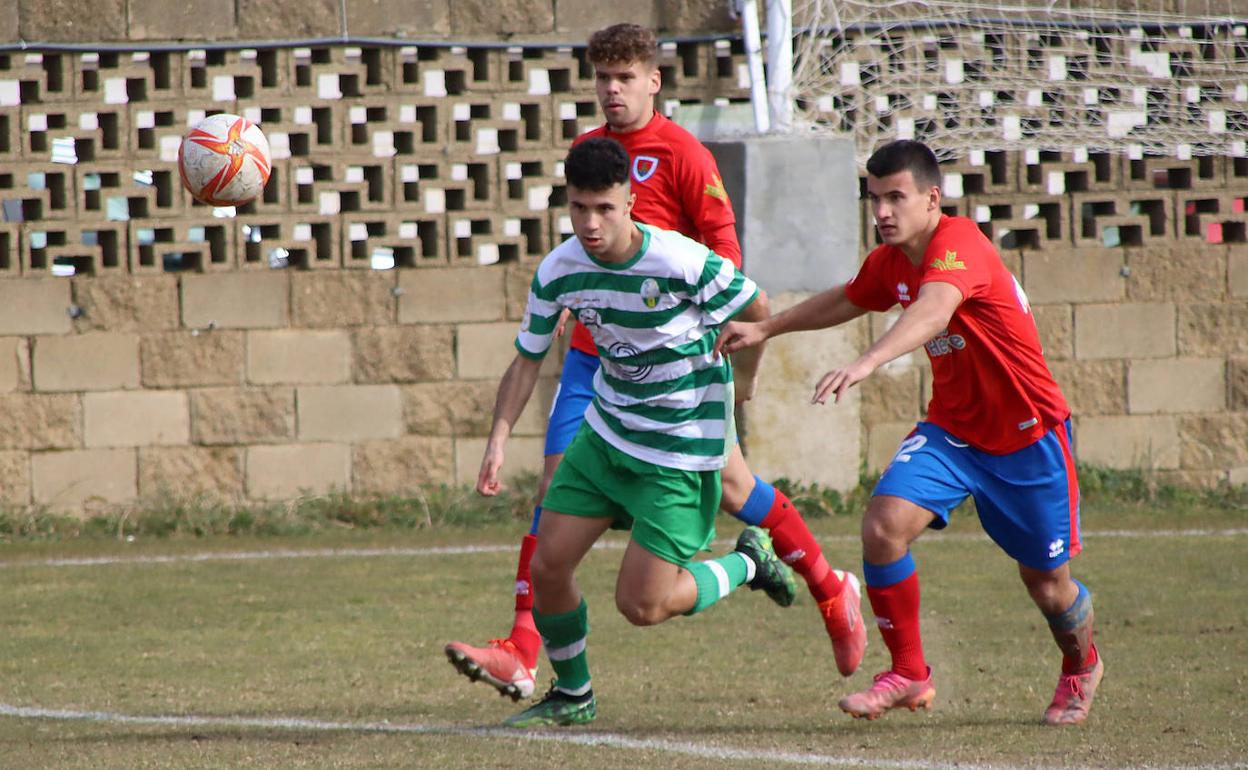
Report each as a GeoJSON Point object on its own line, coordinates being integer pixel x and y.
{"type": "Point", "coordinates": [177, 653]}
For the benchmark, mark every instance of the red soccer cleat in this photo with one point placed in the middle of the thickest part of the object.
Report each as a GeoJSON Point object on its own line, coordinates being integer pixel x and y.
{"type": "Point", "coordinates": [890, 691]}
{"type": "Point", "coordinates": [1074, 696]}
{"type": "Point", "coordinates": [842, 616]}
{"type": "Point", "coordinates": [498, 664]}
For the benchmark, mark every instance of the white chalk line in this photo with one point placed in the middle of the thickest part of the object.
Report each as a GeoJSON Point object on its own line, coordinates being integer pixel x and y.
{"type": "Point", "coordinates": [457, 550]}
{"type": "Point", "coordinates": [609, 740]}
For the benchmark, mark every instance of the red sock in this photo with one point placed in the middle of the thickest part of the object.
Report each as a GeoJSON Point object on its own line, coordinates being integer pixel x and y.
{"type": "Point", "coordinates": [523, 633]}
{"type": "Point", "coordinates": [797, 548]}
{"type": "Point", "coordinates": [896, 609]}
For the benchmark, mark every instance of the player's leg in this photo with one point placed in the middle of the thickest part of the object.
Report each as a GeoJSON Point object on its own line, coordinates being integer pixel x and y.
{"type": "Point", "coordinates": [1029, 505]}
{"type": "Point", "coordinates": [754, 501]}
{"type": "Point", "coordinates": [674, 514]}
{"type": "Point", "coordinates": [559, 610]}
{"type": "Point", "coordinates": [916, 491]}
{"type": "Point", "coordinates": [562, 617]}
{"type": "Point", "coordinates": [509, 664]}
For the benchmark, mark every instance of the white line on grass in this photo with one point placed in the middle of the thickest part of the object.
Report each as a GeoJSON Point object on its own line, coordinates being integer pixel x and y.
{"type": "Point", "coordinates": [455, 550]}
{"type": "Point", "coordinates": [609, 740]}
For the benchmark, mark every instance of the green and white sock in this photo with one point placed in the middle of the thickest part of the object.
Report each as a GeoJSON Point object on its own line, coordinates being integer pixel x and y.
{"type": "Point", "coordinates": [716, 578]}
{"type": "Point", "coordinates": [564, 637]}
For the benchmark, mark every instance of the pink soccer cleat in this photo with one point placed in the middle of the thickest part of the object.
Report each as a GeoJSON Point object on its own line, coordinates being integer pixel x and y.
{"type": "Point", "coordinates": [842, 616]}
{"type": "Point", "coordinates": [498, 664]}
{"type": "Point", "coordinates": [1074, 696]}
{"type": "Point", "coordinates": [890, 691]}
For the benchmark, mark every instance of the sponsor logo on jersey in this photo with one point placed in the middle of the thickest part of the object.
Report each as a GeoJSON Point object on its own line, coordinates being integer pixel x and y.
{"type": "Point", "coordinates": [715, 188]}
{"type": "Point", "coordinates": [950, 262]}
{"type": "Point", "coordinates": [1025, 424]}
{"type": "Point", "coordinates": [944, 343]}
{"type": "Point", "coordinates": [644, 167]}
{"type": "Point", "coordinates": [522, 588]}
{"type": "Point", "coordinates": [903, 292]}
{"type": "Point", "coordinates": [632, 372]}
{"type": "Point", "coordinates": [1056, 548]}
{"type": "Point", "coordinates": [650, 292]}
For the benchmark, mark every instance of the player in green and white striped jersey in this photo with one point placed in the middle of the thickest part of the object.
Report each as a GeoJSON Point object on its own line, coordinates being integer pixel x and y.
{"type": "Point", "coordinates": [656, 435]}
{"type": "Point", "coordinates": [661, 395]}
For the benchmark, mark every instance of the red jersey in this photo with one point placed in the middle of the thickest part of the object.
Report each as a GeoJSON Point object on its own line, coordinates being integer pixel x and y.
{"type": "Point", "coordinates": [991, 386]}
{"type": "Point", "coordinates": [678, 187]}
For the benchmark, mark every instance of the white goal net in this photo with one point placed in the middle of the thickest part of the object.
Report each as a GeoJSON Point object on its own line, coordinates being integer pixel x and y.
{"type": "Point", "coordinates": [1132, 76]}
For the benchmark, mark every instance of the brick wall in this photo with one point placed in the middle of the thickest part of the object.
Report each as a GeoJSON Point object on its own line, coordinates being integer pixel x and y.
{"type": "Point", "coordinates": [148, 342]}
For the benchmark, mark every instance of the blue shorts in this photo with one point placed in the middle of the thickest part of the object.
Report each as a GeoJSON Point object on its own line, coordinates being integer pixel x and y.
{"type": "Point", "coordinates": [1028, 500]}
{"type": "Point", "coordinates": [575, 391]}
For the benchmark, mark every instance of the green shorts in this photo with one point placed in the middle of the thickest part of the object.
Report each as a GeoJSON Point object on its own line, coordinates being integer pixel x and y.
{"type": "Point", "coordinates": [671, 512]}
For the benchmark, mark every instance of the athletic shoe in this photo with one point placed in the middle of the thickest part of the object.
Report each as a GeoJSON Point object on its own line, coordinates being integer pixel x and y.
{"type": "Point", "coordinates": [1074, 696]}
{"type": "Point", "coordinates": [557, 708]}
{"type": "Point", "coordinates": [890, 691]}
{"type": "Point", "coordinates": [770, 574]}
{"type": "Point", "coordinates": [498, 664]}
{"type": "Point", "coordinates": [842, 616]}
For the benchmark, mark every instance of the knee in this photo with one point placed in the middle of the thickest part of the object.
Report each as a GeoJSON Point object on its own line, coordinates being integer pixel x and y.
{"type": "Point", "coordinates": [639, 613]}
{"type": "Point", "coordinates": [544, 572]}
{"type": "Point", "coordinates": [1051, 591]}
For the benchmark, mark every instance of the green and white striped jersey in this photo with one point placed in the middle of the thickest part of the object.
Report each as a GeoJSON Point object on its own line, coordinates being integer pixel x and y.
{"type": "Point", "coordinates": [660, 395]}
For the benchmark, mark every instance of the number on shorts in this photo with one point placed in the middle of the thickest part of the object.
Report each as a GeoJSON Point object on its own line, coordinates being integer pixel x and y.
{"type": "Point", "coordinates": [909, 447]}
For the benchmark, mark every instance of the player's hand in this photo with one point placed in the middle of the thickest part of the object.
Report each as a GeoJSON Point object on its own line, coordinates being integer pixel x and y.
{"type": "Point", "coordinates": [838, 381]}
{"type": "Point", "coordinates": [736, 335]}
{"type": "Point", "coordinates": [488, 484]}
{"type": "Point", "coordinates": [564, 316]}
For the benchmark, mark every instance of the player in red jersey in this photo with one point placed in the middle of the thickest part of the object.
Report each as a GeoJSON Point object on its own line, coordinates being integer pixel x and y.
{"type": "Point", "coordinates": [677, 187]}
{"type": "Point", "coordinates": [998, 428]}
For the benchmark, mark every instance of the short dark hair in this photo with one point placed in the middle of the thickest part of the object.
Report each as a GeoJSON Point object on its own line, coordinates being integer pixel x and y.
{"type": "Point", "coordinates": [623, 43]}
{"type": "Point", "coordinates": [596, 164]}
{"type": "Point", "coordinates": [906, 155]}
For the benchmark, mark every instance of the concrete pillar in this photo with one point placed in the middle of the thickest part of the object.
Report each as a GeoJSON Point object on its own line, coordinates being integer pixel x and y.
{"type": "Point", "coordinates": [796, 201]}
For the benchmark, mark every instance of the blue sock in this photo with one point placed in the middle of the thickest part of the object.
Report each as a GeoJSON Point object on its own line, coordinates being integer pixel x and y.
{"type": "Point", "coordinates": [758, 504]}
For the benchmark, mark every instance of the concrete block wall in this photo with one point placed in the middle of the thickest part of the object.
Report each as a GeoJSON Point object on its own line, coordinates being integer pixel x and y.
{"type": "Point", "coordinates": [375, 395]}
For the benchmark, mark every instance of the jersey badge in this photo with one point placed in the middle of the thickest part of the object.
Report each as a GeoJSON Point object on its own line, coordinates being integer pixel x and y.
{"type": "Point", "coordinates": [644, 167]}
{"type": "Point", "coordinates": [650, 292]}
{"type": "Point", "coordinates": [715, 188]}
{"type": "Point", "coordinates": [903, 292]}
{"type": "Point", "coordinates": [950, 262]}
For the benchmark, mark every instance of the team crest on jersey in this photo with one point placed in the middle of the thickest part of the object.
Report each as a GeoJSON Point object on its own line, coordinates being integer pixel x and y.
{"type": "Point", "coordinates": [650, 292]}
{"type": "Point", "coordinates": [903, 292]}
{"type": "Point", "coordinates": [644, 167]}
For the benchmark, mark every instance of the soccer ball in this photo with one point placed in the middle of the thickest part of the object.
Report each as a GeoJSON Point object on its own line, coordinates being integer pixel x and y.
{"type": "Point", "coordinates": [224, 161]}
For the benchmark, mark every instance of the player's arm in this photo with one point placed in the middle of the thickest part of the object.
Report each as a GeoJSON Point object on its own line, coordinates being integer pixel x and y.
{"type": "Point", "coordinates": [513, 393]}
{"type": "Point", "coordinates": [926, 317]}
{"type": "Point", "coordinates": [826, 309]}
{"type": "Point", "coordinates": [746, 363]}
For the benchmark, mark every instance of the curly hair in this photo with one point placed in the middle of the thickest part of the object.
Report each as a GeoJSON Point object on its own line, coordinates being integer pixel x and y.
{"type": "Point", "coordinates": [596, 164]}
{"type": "Point", "coordinates": [623, 43]}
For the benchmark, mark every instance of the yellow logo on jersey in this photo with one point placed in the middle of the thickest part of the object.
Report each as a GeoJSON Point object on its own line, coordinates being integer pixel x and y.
{"type": "Point", "coordinates": [715, 188]}
{"type": "Point", "coordinates": [950, 262]}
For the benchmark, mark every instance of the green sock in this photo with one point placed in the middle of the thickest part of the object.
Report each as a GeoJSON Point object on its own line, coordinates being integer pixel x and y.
{"type": "Point", "coordinates": [716, 578]}
{"type": "Point", "coordinates": [564, 637]}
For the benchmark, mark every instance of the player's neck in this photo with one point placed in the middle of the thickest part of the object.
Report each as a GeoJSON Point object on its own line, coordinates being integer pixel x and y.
{"type": "Point", "coordinates": [628, 249]}
{"type": "Point", "coordinates": [636, 125]}
{"type": "Point", "coordinates": [916, 248]}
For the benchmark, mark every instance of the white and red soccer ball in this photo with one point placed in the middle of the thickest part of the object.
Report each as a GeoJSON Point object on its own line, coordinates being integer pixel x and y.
{"type": "Point", "coordinates": [224, 160]}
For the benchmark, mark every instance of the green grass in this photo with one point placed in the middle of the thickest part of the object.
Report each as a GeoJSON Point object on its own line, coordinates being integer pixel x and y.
{"type": "Point", "coordinates": [352, 639]}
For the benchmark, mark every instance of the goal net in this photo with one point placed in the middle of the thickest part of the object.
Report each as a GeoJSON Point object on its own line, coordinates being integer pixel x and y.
{"type": "Point", "coordinates": [1129, 76]}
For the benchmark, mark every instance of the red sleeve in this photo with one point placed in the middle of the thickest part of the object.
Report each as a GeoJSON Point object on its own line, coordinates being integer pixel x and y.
{"type": "Point", "coordinates": [869, 289]}
{"type": "Point", "coordinates": [705, 201]}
